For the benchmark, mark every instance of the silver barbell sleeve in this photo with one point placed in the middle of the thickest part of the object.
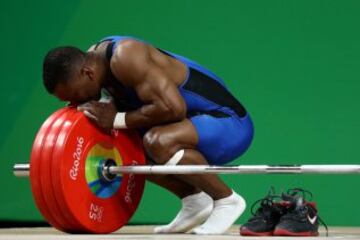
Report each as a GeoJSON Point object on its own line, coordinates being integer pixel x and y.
{"type": "Point", "coordinates": [23, 170]}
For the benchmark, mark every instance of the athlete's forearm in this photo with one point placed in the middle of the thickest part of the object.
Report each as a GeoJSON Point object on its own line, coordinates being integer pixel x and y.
{"type": "Point", "coordinates": [147, 116]}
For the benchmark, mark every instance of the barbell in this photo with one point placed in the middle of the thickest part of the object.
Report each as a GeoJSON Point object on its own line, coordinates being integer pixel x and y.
{"type": "Point", "coordinates": [86, 181]}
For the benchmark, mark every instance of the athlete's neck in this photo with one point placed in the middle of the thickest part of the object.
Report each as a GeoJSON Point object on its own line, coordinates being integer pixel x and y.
{"type": "Point", "coordinates": [101, 65]}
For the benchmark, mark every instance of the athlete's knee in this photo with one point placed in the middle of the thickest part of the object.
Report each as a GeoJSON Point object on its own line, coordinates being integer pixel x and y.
{"type": "Point", "coordinates": [159, 145]}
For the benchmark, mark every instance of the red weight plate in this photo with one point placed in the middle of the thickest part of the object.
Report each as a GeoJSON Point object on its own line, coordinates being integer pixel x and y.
{"type": "Point", "coordinates": [55, 165]}
{"type": "Point", "coordinates": [99, 206]}
{"type": "Point", "coordinates": [46, 179]}
{"type": "Point", "coordinates": [35, 173]}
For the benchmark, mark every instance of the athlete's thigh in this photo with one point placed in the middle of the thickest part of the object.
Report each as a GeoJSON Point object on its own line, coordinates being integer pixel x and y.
{"type": "Point", "coordinates": [179, 135]}
{"type": "Point", "coordinates": [222, 139]}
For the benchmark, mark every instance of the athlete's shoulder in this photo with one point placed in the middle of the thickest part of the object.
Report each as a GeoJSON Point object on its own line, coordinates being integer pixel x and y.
{"type": "Point", "coordinates": [130, 48]}
{"type": "Point", "coordinates": [120, 43]}
{"type": "Point", "coordinates": [130, 59]}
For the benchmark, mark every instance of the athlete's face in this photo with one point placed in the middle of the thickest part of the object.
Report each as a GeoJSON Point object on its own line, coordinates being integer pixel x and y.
{"type": "Point", "coordinates": [81, 87]}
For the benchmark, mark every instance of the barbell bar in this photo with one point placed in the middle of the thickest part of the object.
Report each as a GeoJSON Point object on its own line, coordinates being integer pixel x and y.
{"type": "Point", "coordinates": [22, 170]}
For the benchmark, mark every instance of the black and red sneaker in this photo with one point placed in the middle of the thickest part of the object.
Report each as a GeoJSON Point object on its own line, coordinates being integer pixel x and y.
{"type": "Point", "coordinates": [266, 217]}
{"type": "Point", "coordinates": [301, 218]}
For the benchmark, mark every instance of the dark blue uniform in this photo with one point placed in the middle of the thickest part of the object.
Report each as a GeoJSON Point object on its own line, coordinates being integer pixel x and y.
{"type": "Point", "coordinates": [223, 125]}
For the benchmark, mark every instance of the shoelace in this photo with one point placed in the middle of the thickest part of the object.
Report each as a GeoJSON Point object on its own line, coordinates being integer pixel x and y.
{"type": "Point", "coordinates": [307, 195]}
{"type": "Point", "coordinates": [266, 204]}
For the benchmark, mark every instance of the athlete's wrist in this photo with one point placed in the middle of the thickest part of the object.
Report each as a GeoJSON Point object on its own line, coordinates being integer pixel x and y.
{"type": "Point", "coordinates": [119, 121]}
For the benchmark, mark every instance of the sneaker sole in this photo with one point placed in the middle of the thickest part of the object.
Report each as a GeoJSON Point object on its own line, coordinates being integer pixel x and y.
{"type": "Point", "coordinates": [284, 232]}
{"type": "Point", "coordinates": [247, 232]}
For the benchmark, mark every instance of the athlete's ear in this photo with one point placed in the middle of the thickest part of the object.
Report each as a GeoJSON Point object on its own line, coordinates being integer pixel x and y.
{"type": "Point", "coordinates": [87, 72]}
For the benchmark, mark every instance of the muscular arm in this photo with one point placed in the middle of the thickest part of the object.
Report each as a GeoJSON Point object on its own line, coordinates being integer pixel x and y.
{"type": "Point", "coordinates": [138, 66]}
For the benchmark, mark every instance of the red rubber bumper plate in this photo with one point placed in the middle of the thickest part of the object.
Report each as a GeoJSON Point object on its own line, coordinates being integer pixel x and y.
{"type": "Point", "coordinates": [35, 169]}
{"type": "Point", "coordinates": [99, 206]}
{"type": "Point", "coordinates": [66, 178]}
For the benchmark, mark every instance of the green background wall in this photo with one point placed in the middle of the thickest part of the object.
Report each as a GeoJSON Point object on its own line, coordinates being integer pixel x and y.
{"type": "Point", "coordinates": [294, 64]}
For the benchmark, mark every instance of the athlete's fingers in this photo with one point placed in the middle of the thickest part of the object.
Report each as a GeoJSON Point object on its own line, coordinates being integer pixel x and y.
{"type": "Point", "coordinates": [89, 112]}
{"type": "Point", "coordinates": [90, 115]}
{"type": "Point", "coordinates": [83, 108]}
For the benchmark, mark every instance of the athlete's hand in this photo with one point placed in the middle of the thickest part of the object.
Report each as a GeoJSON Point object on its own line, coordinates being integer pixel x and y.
{"type": "Point", "coordinates": [101, 113]}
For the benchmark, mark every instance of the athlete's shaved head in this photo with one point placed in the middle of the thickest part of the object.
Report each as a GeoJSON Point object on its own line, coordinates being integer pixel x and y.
{"type": "Point", "coordinates": [73, 75]}
{"type": "Point", "coordinates": [59, 66]}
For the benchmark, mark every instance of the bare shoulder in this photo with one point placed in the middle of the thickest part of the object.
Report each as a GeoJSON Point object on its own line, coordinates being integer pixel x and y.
{"type": "Point", "coordinates": [131, 61]}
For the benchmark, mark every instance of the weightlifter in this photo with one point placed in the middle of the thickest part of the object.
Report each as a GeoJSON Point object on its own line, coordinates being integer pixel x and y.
{"type": "Point", "coordinates": [184, 112]}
